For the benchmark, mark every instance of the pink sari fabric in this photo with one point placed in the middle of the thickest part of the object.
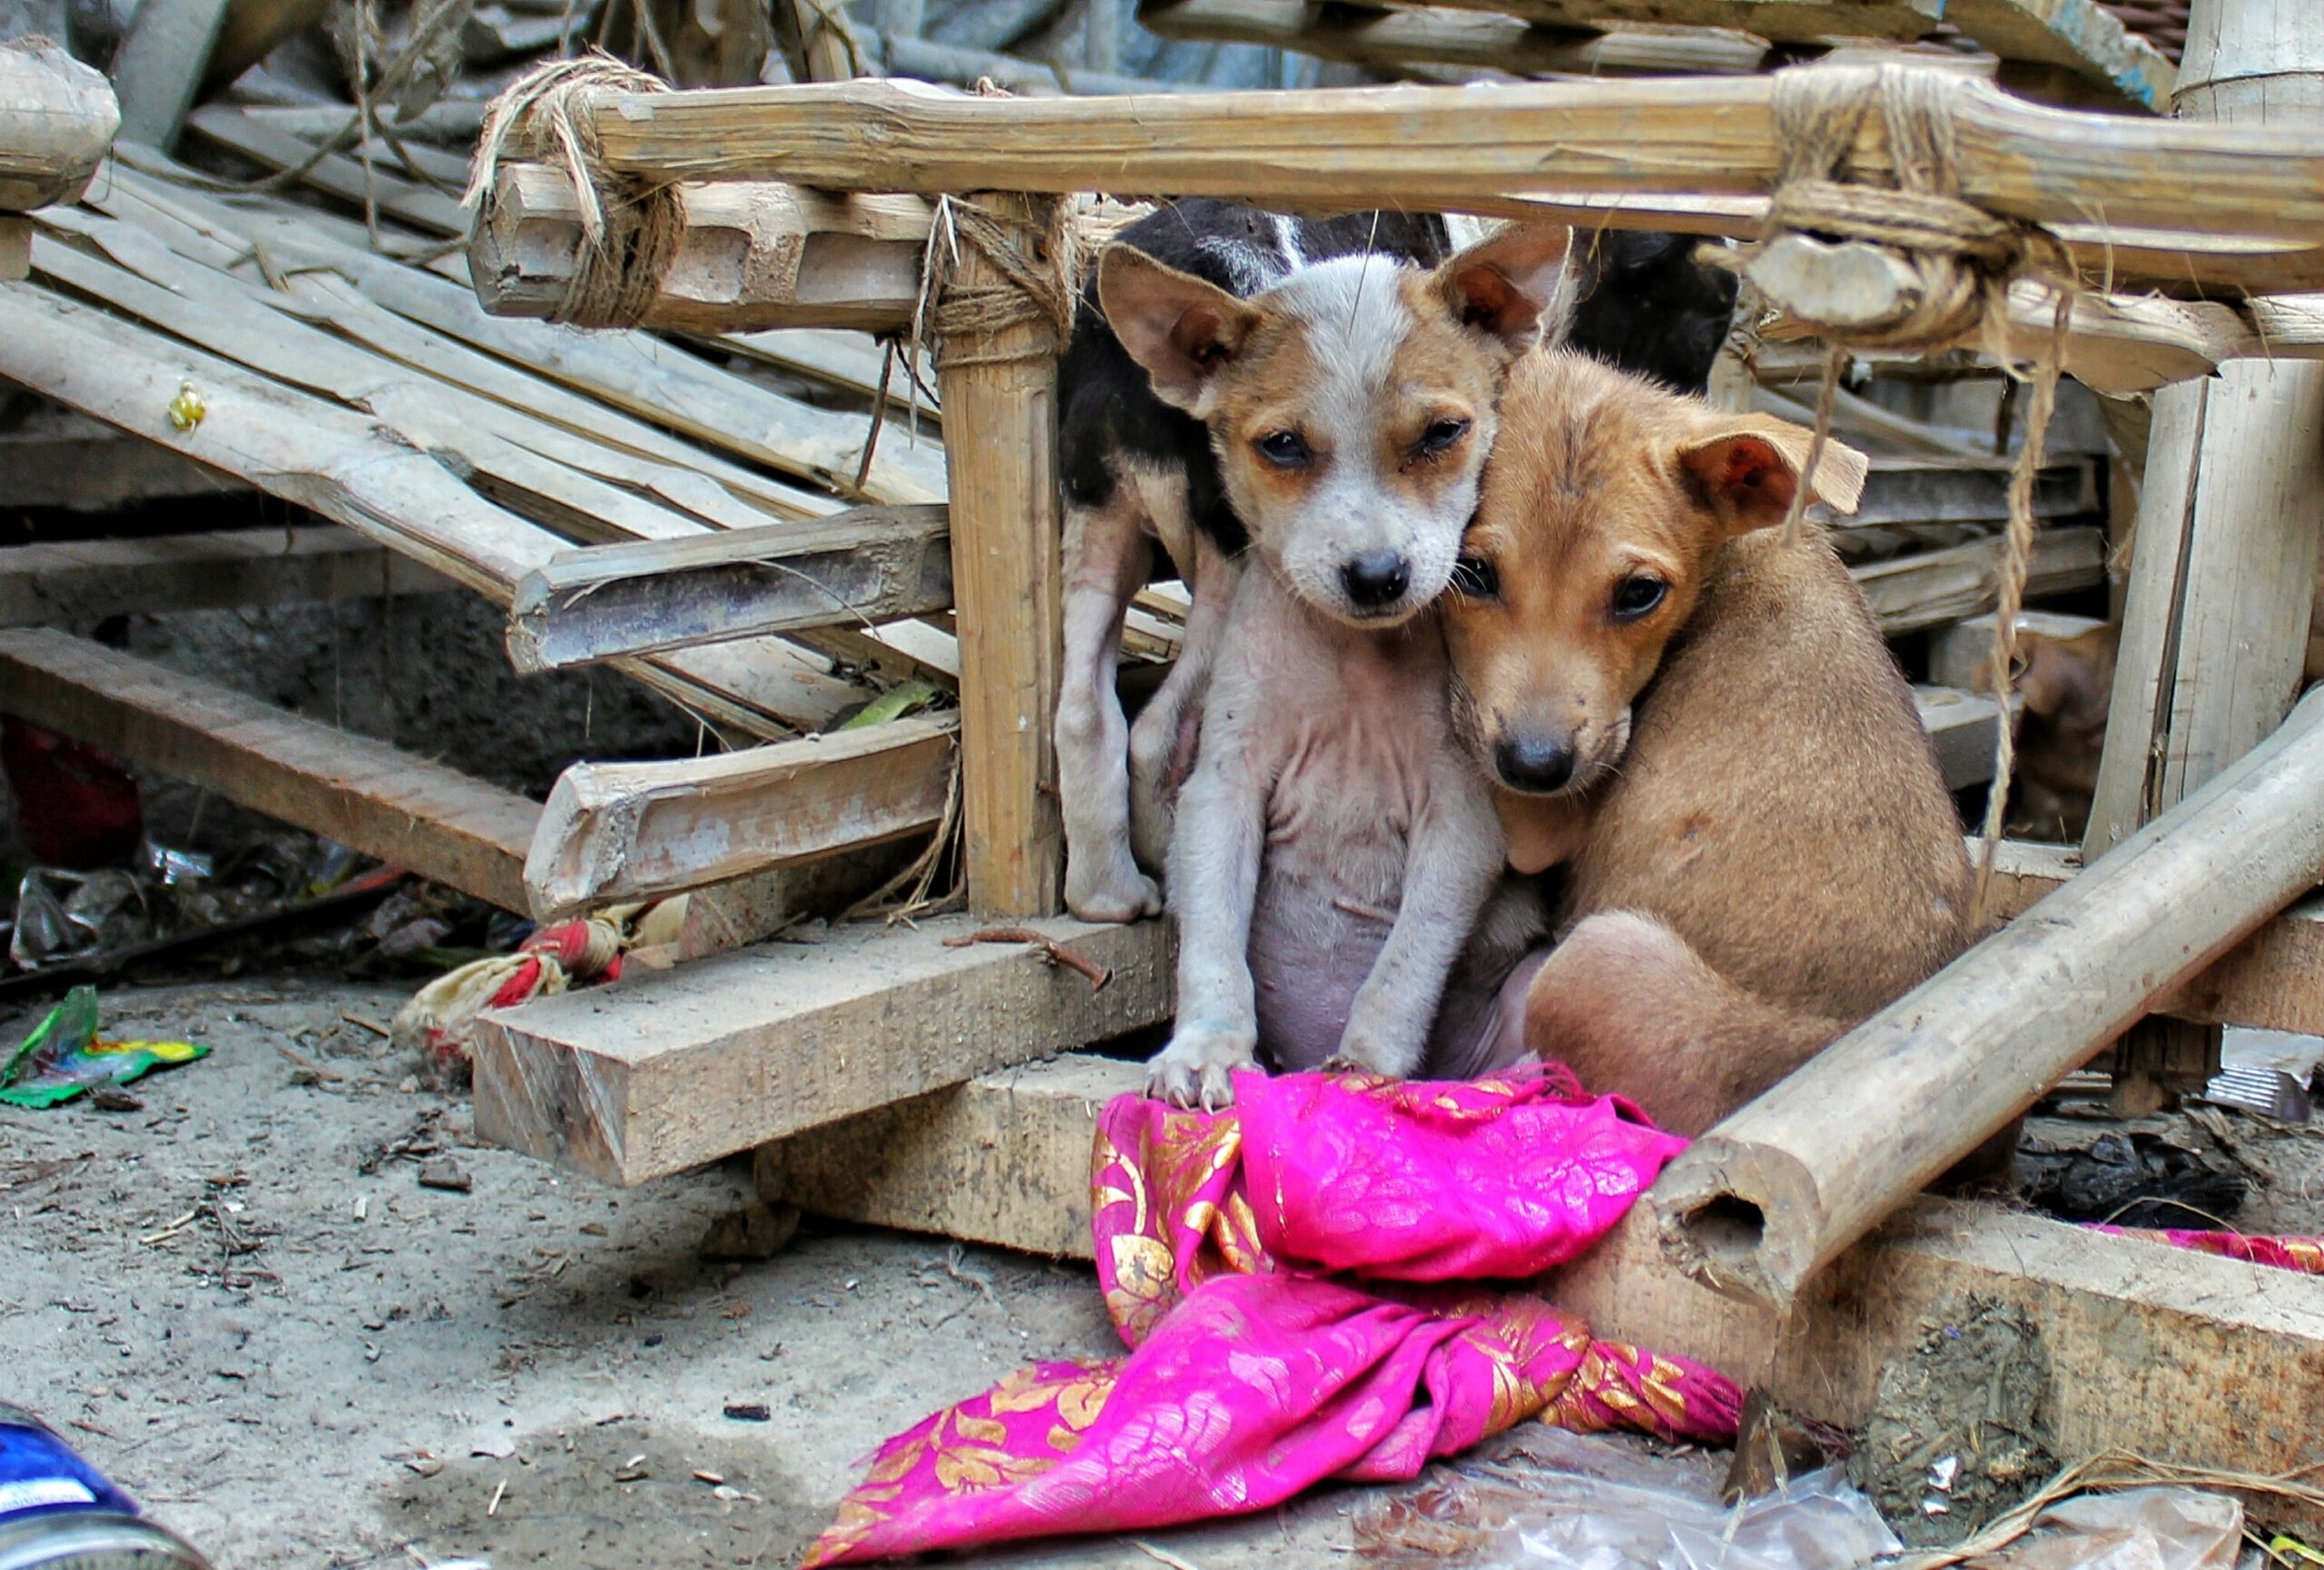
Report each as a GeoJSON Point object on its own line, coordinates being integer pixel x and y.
{"type": "Point", "coordinates": [2305, 1255]}
{"type": "Point", "coordinates": [1226, 1243]}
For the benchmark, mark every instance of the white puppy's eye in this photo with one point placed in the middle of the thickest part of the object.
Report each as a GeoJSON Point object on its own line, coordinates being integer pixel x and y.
{"type": "Point", "coordinates": [1441, 436]}
{"type": "Point", "coordinates": [1636, 596]}
{"type": "Point", "coordinates": [1284, 449]}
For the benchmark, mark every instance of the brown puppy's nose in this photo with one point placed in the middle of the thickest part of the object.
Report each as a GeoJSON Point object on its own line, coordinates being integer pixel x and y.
{"type": "Point", "coordinates": [1534, 764]}
{"type": "Point", "coordinates": [1376, 580]}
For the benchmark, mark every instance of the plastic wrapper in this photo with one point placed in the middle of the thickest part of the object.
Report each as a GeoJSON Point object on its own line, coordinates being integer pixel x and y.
{"type": "Point", "coordinates": [2136, 1529]}
{"type": "Point", "coordinates": [64, 1056]}
{"type": "Point", "coordinates": [1571, 1502]}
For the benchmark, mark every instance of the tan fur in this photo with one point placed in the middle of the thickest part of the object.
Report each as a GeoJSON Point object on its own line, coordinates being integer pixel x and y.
{"type": "Point", "coordinates": [1761, 851]}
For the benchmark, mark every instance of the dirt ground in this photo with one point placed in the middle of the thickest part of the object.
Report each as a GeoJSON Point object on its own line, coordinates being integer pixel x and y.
{"type": "Point", "coordinates": [297, 1355]}
{"type": "Point", "coordinates": [250, 1310]}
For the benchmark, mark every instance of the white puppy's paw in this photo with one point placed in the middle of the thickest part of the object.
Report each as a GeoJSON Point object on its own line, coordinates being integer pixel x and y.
{"type": "Point", "coordinates": [1109, 890]}
{"type": "Point", "coordinates": [1197, 1069]}
{"type": "Point", "coordinates": [1372, 1045]}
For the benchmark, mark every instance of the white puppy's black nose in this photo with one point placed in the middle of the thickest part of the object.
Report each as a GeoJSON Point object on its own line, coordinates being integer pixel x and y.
{"type": "Point", "coordinates": [1533, 763]}
{"type": "Point", "coordinates": [1376, 580]}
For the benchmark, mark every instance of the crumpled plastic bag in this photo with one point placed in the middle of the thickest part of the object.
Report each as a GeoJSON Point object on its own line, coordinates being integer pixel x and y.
{"type": "Point", "coordinates": [1571, 1502]}
{"type": "Point", "coordinates": [64, 1056]}
{"type": "Point", "coordinates": [2160, 1528]}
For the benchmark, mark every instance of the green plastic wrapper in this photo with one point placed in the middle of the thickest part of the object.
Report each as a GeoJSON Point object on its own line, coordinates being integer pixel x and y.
{"type": "Point", "coordinates": [64, 1056]}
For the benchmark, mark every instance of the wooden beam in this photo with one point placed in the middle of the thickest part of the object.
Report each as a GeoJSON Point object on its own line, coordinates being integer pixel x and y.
{"type": "Point", "coordinates": [1913, 593]}
{"type": "Point", "coordinates": [1451, 147]}
{"type": "Point", "coordinates": [1005, 1159]}
{"type": "Point", "coordinates": [362, 793]}
{"type": "Point", "coordinates": [68, 581]}
{"type": "Point", "coordinates": [908, 56]}
{"type": "Point", "coordinates": [755, 255]}
{"type": "Point", "coordinates": [610, 601]}
{"type": "Point", "coordinates": [672, 1070]}
{"type": "Point", "coordinates": [1001, 414]}
{"type": "Point", "coordinates": [1960, 727]}
{"type": "Point", "coordinates": [1389, 40]}
{"type": "Point", "coordinates": [57, 117]}
{"type": "Point", "coordinates": [613, 833]}
{"type": "Point", "coordinates": [1771, 1195]}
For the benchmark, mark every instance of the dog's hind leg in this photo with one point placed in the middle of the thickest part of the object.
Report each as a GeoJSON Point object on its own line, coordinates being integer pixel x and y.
{"type": "Point", "coordinates": [1106, 555]}
{"type": "Point", "coordinates": [1631, 1008]}
{"type": "Point", "coordinates": [1163, 741]}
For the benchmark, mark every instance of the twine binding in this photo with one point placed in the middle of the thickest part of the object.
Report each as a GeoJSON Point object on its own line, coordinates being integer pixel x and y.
{"type": "Point", "coordinates": [631, 225]}
{"type": "Point", "coordinates": [1964, 260]}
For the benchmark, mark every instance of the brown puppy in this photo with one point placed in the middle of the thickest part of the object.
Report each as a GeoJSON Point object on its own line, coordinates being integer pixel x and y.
{"type": "Point", "coordinates": [1701, 722]}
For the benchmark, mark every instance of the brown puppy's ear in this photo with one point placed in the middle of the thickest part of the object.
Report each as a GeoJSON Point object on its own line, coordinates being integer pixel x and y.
{"type": "Point", "coordinates": [1512, 285]}
{"type": "Point", "coordinates": [1748, 467]}
{"type": "Point", "coordinates": [1181, 328]}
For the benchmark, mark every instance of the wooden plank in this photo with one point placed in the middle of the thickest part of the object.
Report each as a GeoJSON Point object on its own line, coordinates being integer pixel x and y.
{"type": "Point", "coordinates": [1432, 148]}
{"type": "Point", "coordinates": [335, 174]}
{"type": "Point", "coordinates": [750, 256]}
{"type": "Point", "coordinates": [161, 64]}
{"type": "Point", "coordinates": [1915, 491]}
{"type": "Point", "coordinates": [614, 832]}
{"type": "Point", "coordinates": [65, 582]}
{"type": "Point", "coordinates": [1008, 579]}
{"type": "Point", "coordinates": [2080, 35]}
{"type": "Point", "coordinates": [208, 308]}
{"type": "Point", "coordinates": [1960, 726]}
{"type": "Point", "coordinates": [1784, 21]}
{"type": "Point", "coordinates": [361, 793]}
{"type": "Point", "coordinates": [1913, 593]}
{"type": "Point", "coordinates": [668, 1071]}
{"type": "Point", "coordinates": [1775, 1191]}
{"type": "Point", "coordinates": [1005, 1159]}
{"type": "Point", "coordinates": [1388, 40]}
{"type": "Point", "coordinates": [868, 565]}
{"type": "Point", "coordinates": [325, 458]}
{"type": "Point", "coordinates": [57, 117]}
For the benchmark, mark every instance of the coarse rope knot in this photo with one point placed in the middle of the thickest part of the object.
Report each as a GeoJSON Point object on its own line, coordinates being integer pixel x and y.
{"type": "Point", "coordinates": [631, 224]}
{"type": "Point", "coordinates": [1030, 278]}
{"type": "Point", "coordinates": [1912, 266]}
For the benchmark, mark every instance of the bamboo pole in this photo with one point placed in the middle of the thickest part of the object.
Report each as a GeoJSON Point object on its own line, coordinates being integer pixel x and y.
{"type": "Point", "coordinates": [2215, 621]}
{"type": "Point", "coordinates": [57, 117]}
{"type": "Point", "coordinates": [1765, 1200]}
{"type": "Point", "coordinates": [999, 395]}
{"type": "Point", "coordinates": [1432, 148]}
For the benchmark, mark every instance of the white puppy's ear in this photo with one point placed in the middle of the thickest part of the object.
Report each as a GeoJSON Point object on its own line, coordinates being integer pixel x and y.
{"type": "Point", "coordinates": [1182, 329]}
{"type": "Point", "coordinates": [1512, 285]}
{"type": "Point", "coordinates": [1749, 468]}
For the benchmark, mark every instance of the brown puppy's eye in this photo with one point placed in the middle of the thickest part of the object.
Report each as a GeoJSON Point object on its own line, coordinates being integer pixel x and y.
{"type": "Point", "coordinates": [1634, 596]}
{"type": "Point", "coordinates": [1474, 578]}
{"type": "Point", "coordinates": [1440, 437]}
{"type": "Point", "coordinates": [1284, 449]}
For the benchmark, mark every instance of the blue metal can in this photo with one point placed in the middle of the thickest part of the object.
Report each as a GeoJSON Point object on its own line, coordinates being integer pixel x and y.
{"type": "Point", "coordinates": [59, 1513]}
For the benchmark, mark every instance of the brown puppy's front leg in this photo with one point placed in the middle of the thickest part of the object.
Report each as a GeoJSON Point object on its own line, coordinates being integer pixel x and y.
{"type": "Point", "coordinates": [1633, 1010]}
